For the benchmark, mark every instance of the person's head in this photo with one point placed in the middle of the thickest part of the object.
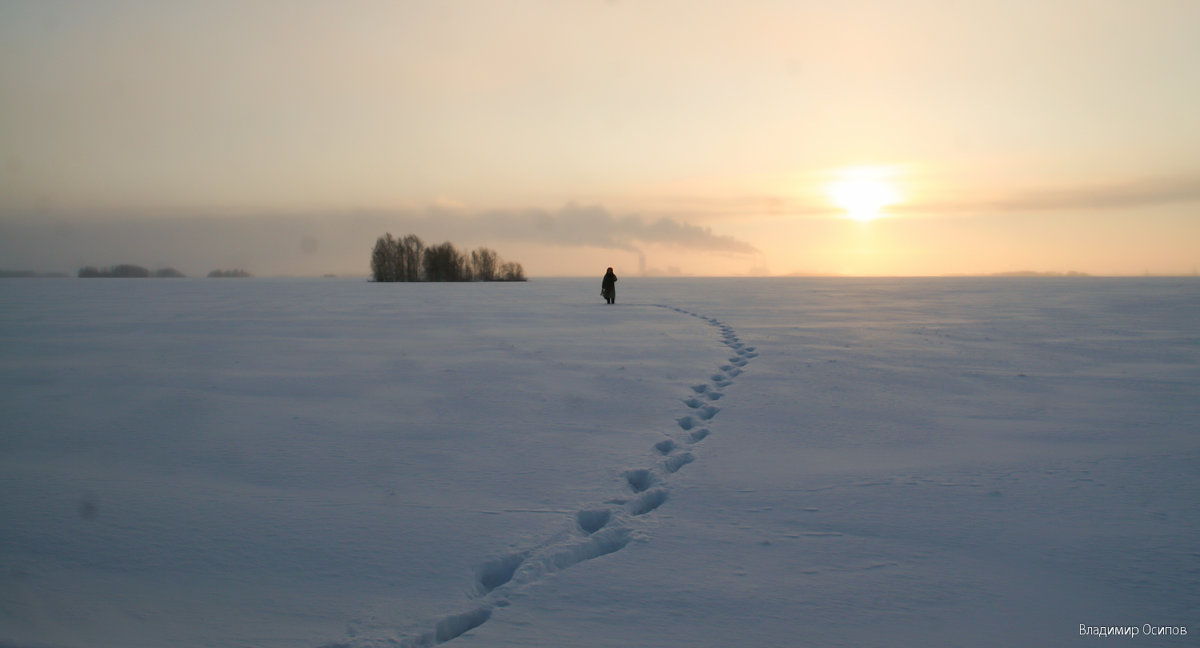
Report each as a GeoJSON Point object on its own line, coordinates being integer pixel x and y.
{"type": "Point", "coordinates": [610, 269]}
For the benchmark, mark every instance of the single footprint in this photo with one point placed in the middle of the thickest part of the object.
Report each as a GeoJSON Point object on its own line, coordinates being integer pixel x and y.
{"type": "Point", "coordinates": [601, 543]}
{"type": "Point", "coordinates": [495, 573]}
{"type": "Point", "coordinates": [639, 479]}
{"type": "Point", "coordinates": [675, 462]}
{"type": "Point", "coordinates": [591, 521]}
{"type": "Point", "coordinates": [649, 501]}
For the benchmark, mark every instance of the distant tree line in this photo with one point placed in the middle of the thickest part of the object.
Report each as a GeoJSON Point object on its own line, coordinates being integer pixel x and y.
{"type": "Point", "coordinates": [29, 274]}
{"type": "Point", "coordinates": [229, 274]}
{"type": "Point", "coordinates": [123, 271]}
{"type": "Point", "coordinates": [130, 271]}
{"type": "Point", "coordinates": [409, 259]}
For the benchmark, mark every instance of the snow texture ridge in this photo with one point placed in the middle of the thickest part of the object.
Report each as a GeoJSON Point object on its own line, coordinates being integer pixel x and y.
{"type": "Point", "coordinates": [595, 531]}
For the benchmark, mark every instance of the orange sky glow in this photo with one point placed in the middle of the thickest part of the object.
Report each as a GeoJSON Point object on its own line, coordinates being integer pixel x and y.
{"type": "Point", "coordinates": [923, 137]}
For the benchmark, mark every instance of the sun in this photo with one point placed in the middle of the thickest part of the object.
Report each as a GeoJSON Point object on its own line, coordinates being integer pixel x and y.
{"type": "Point", "coordinates": [863, 192]}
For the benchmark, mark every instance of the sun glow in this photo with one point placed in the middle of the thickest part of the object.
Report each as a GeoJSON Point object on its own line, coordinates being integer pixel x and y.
{"type": "Point", "coordinates": [863, 192]}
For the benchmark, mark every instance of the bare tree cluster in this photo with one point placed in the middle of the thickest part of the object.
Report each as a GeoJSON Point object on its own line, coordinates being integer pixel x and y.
{"type": "Point", "coordinates": [397, 259]}
{"type": "Point", "coordinates": [409, 259]}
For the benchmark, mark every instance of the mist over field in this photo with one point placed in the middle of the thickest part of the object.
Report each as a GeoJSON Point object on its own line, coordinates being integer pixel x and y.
{"type": "Point", "coordinates": [340, 243]}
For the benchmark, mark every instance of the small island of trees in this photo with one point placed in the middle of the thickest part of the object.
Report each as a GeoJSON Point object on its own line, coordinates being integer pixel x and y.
{"type": "Point", "coordinates": [408, 259]}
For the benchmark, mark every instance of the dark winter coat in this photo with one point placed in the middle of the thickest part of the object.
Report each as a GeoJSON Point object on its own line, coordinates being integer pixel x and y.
{"type": "Point", "coordinates": [608, 287]}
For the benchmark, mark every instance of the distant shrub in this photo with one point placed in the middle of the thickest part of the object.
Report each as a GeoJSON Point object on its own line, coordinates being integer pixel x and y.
{"type": "Point", "coordinates": [169, 273]}
{"type": "Point", "coordinates": [511, 272]}
{"type": "Point", "coordinates": [229, 274]}
{"type": "Point", "coordinates": [409, 259]}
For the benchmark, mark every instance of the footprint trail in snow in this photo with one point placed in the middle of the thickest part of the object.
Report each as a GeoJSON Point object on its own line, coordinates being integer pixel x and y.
{"type": "Point", "coordinates": [593, 531]}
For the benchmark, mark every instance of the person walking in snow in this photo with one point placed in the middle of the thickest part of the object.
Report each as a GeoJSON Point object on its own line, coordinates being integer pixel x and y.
{"type": "Point", "coordinates": [608, 287]}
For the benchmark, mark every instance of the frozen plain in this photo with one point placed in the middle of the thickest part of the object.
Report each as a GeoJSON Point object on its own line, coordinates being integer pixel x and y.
{"type": "Point", "coordinates": [709, 462]}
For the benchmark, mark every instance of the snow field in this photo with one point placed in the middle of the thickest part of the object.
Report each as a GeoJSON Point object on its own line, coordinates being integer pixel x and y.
{"type": "Point", "coordinates": [708, 462]}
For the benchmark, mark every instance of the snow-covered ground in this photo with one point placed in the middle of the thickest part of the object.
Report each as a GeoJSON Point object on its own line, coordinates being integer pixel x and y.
{"type": "Point", "coordinates": [729, 462]}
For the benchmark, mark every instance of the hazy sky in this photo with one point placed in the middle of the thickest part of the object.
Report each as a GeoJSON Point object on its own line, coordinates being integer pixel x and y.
{"type": "Point", "coordinates": [693, 136]}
